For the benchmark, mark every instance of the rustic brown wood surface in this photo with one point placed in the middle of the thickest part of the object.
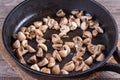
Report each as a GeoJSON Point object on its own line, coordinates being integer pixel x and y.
{"type": "Point", "coordinates": [6, 72]}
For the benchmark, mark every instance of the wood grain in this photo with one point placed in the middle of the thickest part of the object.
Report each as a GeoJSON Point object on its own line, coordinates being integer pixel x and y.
{"type": "Point", "coordinates": [7, 5]}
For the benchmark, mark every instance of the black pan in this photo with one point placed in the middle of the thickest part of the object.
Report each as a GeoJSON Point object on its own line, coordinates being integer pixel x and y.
{"type": "Point", "coordinates": [32, 10]}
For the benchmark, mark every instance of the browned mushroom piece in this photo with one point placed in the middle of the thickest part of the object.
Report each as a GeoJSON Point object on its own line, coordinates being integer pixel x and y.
{"type": "Point", "coordinates": [37, 24]}
{"type": "Point", "coordinates": [101, 57]}
{"type": "Point", "coordinates": [35, 67]}
{"type": "Point", "coordinates": [60, 13]}
{"type": "Point", "coordinates": [94, 33]}
{"type": "Point", "coordinates": [43, 28]}
{"type": "Point", "coordinates": [32, 60]}
{"type": "Point", "coordinates": [79, 66]}
{"type": "Point", "coordinates": [86, 67]}
{"type": "Point", "coordinates": [24, 43]}
{"type": "Point", "coordinates": [64, 71]}
{"type": "Point", "coordinates": [39, 53]}
{"type": "Point", "coordinates": [30, 49]}
{"type": "Point", "coordinates": [56, 69]}
{"type": "Point", "coordinates": [45, 70]}
{"type": "Point", "coordinates": [87, 41]}
{"type": "Point", "coordinates": [70, 66]}
{"type": "Point", "coordinates": [21, 36]}
{"type": "Point", "coordinates": [56, 39]}
{"type": "Point", "coordinates": [70, 44]}
{"type": "Point", "coordinates": [40, 39]}
{"type": "Point", "coordinates": [16, 44]}
{"type": "Point", "coordinates": [57, 46]}
{"type": "Point", "coordinates": [43, 46]}
{"type": "Point", "coordinates": [43, 62]}
{"type": "Point", "coordinates": [75, 12]}
{"type": "Point", "coordinates": [87, 34]}
{"type": "Point", "coordinates": [56, 55]}
{"type": "Point", "coordinates": [89, 60]}
{"type": "Point", "coordinates": [52, 62]}
{"type": "Point", "coordinates": [38, 32]}
{"type": "Point", "coordinates": [80, 14]}
{"type": "Point", "coordinates": [83, 18]}
{"type": "Point", "coordinates": [63, 21]}
{"type": "Point", "coordinates": [22, 29]}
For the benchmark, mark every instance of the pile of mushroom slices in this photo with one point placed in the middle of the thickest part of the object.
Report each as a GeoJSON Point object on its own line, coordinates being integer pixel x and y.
{"type": "Point", "coordinates": [50, 61]}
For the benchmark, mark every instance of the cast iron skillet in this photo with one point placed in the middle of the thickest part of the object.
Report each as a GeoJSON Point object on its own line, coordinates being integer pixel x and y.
{"type": "Point", "coordinates": [32, 10]}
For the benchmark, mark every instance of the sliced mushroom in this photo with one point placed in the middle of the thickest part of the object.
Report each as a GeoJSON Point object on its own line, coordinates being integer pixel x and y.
{"type": "Point", "coordinates": [94, 33]}
{"type": "Point", "coordinates": [48, 55]}
{"type": "Point", "coordinates": [24, 43]}
{"type": "Point", "coordinates": [87, 41]}
{"type": "Point", "coordinates": [80, 14]}
{"type": "Point", "coordinates": [73, 25]}
{"type": "Point", "coordinates": [38, 32]}
{"type": "Point", "coordinates": [79, 66]}
{"type": "Point", "coordinates": [43, 62]}
{"type": "Point", "coordinates": [67, 48]}
{"type": "Point", "coordinates": [102, 47]}
{"type": "Point", "coordinates": [81, 49]}
{"type": "Point", "coordinates": [45, 20]}
{"type": "Point", "coordinates": [21, 36]}
{"type": "Point", "coordinates": [22, 60]}
{"type": "Point", "coordinates": [38, 24]}
{"type": "Point", "coordinates": [22, 29]}
{"type": "Point", "coordinates": [86, 67]}
{"type": "Point", "coordinates": [83, 18]}
{"type": "Point", "coordinates": [87, 34]}
{"type": "Point", "coordinates": [32, 59]}
{"type": "Point", "coordinates": [14, 36]}
{"type": "Point", "coordinates": [101, 57]}
{"type": "Point", "coordinates": [39, 53]}
{"type": "Point", "coordinates": [43, 46]}
{"type": "Point", "coordinates": [78, 22]}
{"type": "Point", "coordinates": [51, 23]}
{"type": "Point", "coordinates": [45, 70]}
{"type": "Point", "coordinates": [40, 39]}
{"type": "Point", "coordinates": [35, 67]}
{"type": "Point", "coordinates": [56, 39]}
{"type": "Point", "coordinates": [64, 21]}
{"type": "Point", "coordinates": [64, 71]}
{"type": "Point", "coordinates": [63, 53]}
{"type": "Point", "coordinates": [70, 66]}
{"type": "Point", "coordinates": [60, 13]}
{"type": "Point", "coordinates": [78, 41]}
{"type": "Point", "coordinates": [21, 51]}
{"type": "Point", "coordinates": [56, 55]}
{"type": "Point", "coordinates": [89, 60]}
{"type": "Point", "coordinates": [56, 69]}
{"type": "Point", "coordinates": [74, 12]}
{"type": "Point", "coordinates": [30, 49]}
{"type": "Point", "coordinates": [43, 28]}
{"type": "Point", "coordinates": [31, 28]}
{"type": "Point", "coordinates": [84, 25]}
{"type": "Point", "coordinates": [52, 62]}
{"type": "Point", "coordinates": [70, 44]}
{"type": "Point", "coordinates": [57, 46]}
{"type": "Point", "coordinates": [16, 44]}
{"type": "Point", "coordinates": [100, 30]}
{"type": "Point", "coordinates": [77, 58]}
{"type": "Point", "coordinates": [64, 29]}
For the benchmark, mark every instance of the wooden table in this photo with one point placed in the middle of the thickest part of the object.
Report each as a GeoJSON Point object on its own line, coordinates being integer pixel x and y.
{"type": "Point", "coordinates": [6, 73]}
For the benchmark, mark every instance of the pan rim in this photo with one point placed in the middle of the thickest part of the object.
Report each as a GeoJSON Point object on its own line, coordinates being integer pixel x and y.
{"type": "Point", "coordinates": [60, 76]}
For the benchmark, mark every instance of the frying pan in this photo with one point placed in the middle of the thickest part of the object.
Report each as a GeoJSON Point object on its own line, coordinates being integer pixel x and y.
{"type": "Point", "coordinates": [32, 10]}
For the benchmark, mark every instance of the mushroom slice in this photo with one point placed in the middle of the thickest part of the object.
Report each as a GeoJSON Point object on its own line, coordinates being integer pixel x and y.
{"type": "Point", "coordinates": [32, 59]}
{"type": "Point", "coordinates": [87, 34]}
{"type": "Point", "coordinates": [102, 47]}
{"type": "Point", "coordinates": [45, 20]}
{"type": "Point", "coordinates": [38, 32]}
{"type": "Point", "coordinates": [100, 30]}
{"type": "Point", "coordinates": [39, 39]}
{"type": "Point", "coordinates": [48, 55]}
{"type": "Point", "coordinates": [56, 39]}
{"type": "Point", "coordinates": [70, 44]}
{"type": "Point", "coordinates": [51, 23]}
{"type": "Point", "coordinates": [70, 66]}
{"type": "Point", "coordinates": [60, 13]}
{"type": "Point", "coordinates": [43, 46]}
{"type": "Point", "coordinates": [56, 55]}
{"type": "Point", "coordinates": [73, 25]}
{"type": "Point", "coordinates": [57, 46]}
{"type": "Point", "coordinates": [101, 57]}
{"type": "Point", "coordinates": [45, 70]}
{"type": "Point", "coordinates": [64, 71]}
{"type": "Point", "coordinates": [21, 36]}
{"type": "Point", "coordinates": [43, 28]}
{"type": "Point", "coordinates": [79, 66]}
{"type": "Point", "coordinates": [79, 14]}
{"type": "Point", "coordinates": [86, 67]}
{"type": "Point", "coordinates": [84, 26]}
{"type": "Point", "coordinates": [89, 61]}
{"type": "Point", "coordinates": [35, 67]}
{"type": "Point", "coordinates": [64, 21]}
{"type": "Point", "coordinates": [24, 43]}
{"type": "Point", "coordinates": [67, 48]}
{"type": "Point", "coordinates": [78, 22]}
{"type": "Point", "coordinates": [64, 29]}
{"type": "Point", "coordinates": [22, 60]}
{"type": "Point", "coordinates": [81, 49]}
{"type": "Point", "coordinates": [16, 44]}
{"type": "Point", "coordinates": [87, 41]}
{"type": "Point", "coordinates": [78, 41]}
{"type": "Point", "coordinates": [75, 12]}
{"type": "Point", "coordinates": [38, 24]}
{"type": "Point", "coordinates": [39, 52]}
{"type": "Point", "coordinates": [94, 33]}
{"type": "Point", "coordinates": [22, 29]}
{"type": "Point", "coordinates": [43, 62]}
{"type": "Point", "coordinates": [30, 49]}
{"type": "Point", "coordinates": [52, 62]}
{"type": "Point", "coordinates": [63, 53]}
{"type": "Point", "coordinates": [56, 69]}
{"type": "Point", "coordinates": [21, 51]}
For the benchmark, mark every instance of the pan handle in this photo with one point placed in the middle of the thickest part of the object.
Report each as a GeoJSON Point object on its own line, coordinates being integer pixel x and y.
{"type": "Point", "coordinates": [111, 66]}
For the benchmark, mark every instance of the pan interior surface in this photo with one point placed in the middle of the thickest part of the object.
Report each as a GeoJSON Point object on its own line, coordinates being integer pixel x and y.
{"type": "Point", "coordinates": [35, 10]}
